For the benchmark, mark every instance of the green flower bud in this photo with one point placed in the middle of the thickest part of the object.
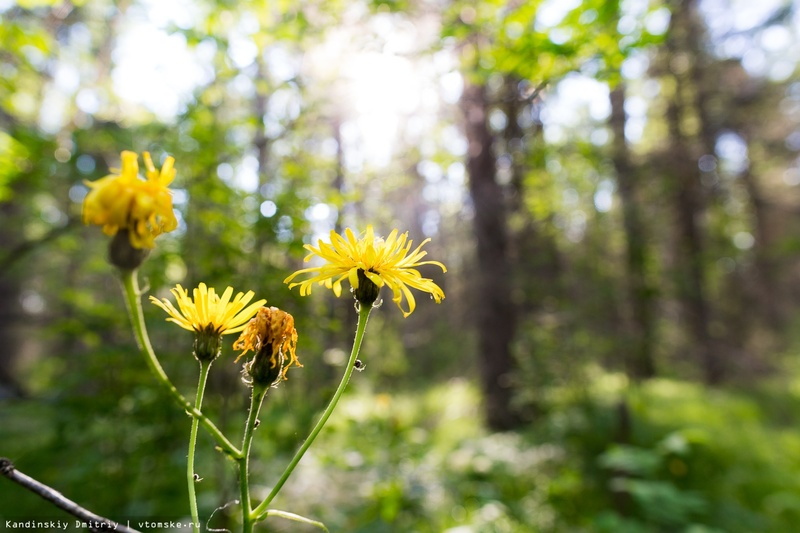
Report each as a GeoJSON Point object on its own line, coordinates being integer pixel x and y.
{"type": "Point", "coordinates": [123, 255]}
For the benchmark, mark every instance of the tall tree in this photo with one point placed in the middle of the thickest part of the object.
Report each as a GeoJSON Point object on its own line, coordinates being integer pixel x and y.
{"type": "Point", "coordinates": [496, 312]}
{"type": "Point", "coordinates": [640, 359]}
{"type": "Point", "coordinates": [681, 166]}
{"type": "Point", "coordinates": [536, 57]}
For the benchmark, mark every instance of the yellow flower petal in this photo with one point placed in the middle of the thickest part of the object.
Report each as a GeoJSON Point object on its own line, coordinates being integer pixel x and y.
{"type": "Point", "coordinates": [207, 311]}
{"type": "Point", "coordinates": [383, 261]}
{"type": "Point", "coordinates": [123, 201]}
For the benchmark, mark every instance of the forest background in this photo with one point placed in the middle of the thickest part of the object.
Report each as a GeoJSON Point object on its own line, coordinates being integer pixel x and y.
{"type": "Point", "coordinates": [613, 186]}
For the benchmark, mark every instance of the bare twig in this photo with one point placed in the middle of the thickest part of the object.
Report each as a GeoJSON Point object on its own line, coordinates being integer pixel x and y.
{"type": "Point", "coordinates": [95, 522]}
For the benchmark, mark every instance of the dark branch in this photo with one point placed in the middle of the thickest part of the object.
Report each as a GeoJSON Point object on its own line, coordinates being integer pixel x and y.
{"type": "Point", "coordinates": [97, 523]}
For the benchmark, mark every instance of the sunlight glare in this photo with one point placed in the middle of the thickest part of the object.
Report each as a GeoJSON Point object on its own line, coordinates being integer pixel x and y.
{"type": "Point", "coordinates": [575, 100]}
{"type": "Point", "coordinates": [384, 89]}
{"type": "Point", "coordinates": [381, 93]}
{"type": "Point", "coordinates": [156, 70]}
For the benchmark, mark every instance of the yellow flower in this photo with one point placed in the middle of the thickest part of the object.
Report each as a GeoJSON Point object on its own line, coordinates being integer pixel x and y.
{"type": "Point", "coordinates": [273, 338]}
{"type": "Point", "coordinates": [209, 311]}
{"type": "Point", "coordinates": [209, 315]}
{"type": "Point", "coordinates": [370, 260]}
{"type": "Point", "coordinates": [125, 202]}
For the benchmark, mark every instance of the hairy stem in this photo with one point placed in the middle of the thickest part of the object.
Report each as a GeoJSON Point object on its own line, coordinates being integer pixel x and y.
{"type": "Point", "coordinates": [256, 399]}
{"type": "Point", "coordinates": [363, 316]}
{"type": "Point", "coordinates": [133, 302]}
{"type": "Point", "coordinates": [190, 473]}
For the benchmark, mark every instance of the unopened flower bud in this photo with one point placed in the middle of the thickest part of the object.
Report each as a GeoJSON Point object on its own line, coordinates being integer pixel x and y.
{"type": "Point", "coordinates": [123, 255]}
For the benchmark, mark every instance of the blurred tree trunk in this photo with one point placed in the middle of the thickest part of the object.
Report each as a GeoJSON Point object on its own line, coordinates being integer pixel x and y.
{"type": "Point", "coordinates": [746, 98]}
{"type": "Point", "coordinates": [689, 205]}
{"type": "Point", "coordinates": [496, 312]}
{"type": "Point", "coordinates": [768, 297]}
{"type": "Point", "coordinates": [338, 184]}
{"type": "Point", "coordinates": [10, 290]}
{"type": "Point", "coordinates": [639, 359]}
{"type": "Point", "coordinates": [512, 136]}
{"type": "Point", "coordinates": [340, 311]}
{"type": "Point", "coordinates": [692, 286]}
{"type": "Point", "coordinates": [703, 86]}
{"type": "Point", "coordinates": [261, 143]}
{"type": "Point", "coordinates": [534, 251]}
{"type": "Point", "coordinates": [533, 237]}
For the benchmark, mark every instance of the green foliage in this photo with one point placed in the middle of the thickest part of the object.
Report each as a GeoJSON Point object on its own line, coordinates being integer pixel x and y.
{"type": "Point", "coordinates": [693, 461]}
{"type": "Point", "coordinates": [12, 155]}
{"type": "Point", "coordinates": [407, 452]}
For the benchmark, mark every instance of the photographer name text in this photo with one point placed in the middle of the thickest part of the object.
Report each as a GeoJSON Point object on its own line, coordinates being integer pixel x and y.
{"type": "Point", "coordinates": [92, 525]}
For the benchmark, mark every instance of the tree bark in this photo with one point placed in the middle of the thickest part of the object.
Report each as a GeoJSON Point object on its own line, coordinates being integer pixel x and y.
{"type": "Point", "coordinates": [769, 297]}
{"type": "Point", "coordinates": [690, 250]}
{"type": "Point", "coordinates": [688, 200]}
{"type": "Point", "coordinates": [261, 143]}
{"type": "Point", "coordinates": [641, 293]}
{"type": "Point", "coordinates": [496, 312]}
{"type": "Point", "coordinates": [11, 283]}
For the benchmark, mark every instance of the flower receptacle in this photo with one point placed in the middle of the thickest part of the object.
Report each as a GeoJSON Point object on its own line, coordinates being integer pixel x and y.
{"type": "Point", "coordinates": [123, 255]}
{"type": "Point", "coordinates": [265, 369]}
{"type": "Point", "coordinates": [207, 344]}
{"type": "Point", "coordinates": [367, 291]}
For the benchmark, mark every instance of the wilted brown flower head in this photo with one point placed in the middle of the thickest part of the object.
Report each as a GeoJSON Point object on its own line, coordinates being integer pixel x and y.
{"type": "Point", "coordinates": [273, 338]}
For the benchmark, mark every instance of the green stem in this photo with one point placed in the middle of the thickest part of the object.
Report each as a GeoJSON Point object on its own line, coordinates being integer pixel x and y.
{"type": "Point", "coordinates": [132, 300]}
{"type": "Point", "coordinates": [294, 518]}
{"type": "Point", "coordinates": [198, 403]}
{"type": "Point", "coordinates": [256, 399]}
{"type": "Point", "coordinates": [363, 316]}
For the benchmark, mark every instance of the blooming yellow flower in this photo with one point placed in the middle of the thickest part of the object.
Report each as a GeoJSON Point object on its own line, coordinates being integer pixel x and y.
{"type": "Point", "coordinates": [273, 338]}
{"type": "Point", "coordinates": [372, 259]}
{"type": "Point", "coordinates": [208, 311]}
{"type": "Point", "coordinates": [126, 202]}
